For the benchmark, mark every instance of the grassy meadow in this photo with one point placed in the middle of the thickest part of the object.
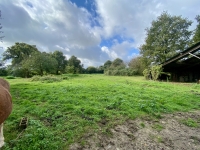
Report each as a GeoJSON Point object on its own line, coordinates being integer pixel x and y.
{"type": "Point", "coordinates": [60, 113]}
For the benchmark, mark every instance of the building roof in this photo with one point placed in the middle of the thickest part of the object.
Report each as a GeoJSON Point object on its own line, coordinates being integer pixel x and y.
{"type": "Point", "coordinates": [184, 59]}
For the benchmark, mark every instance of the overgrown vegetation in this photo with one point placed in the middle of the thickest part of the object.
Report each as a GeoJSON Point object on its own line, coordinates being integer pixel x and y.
{"type": "Point", "coordinates": [190, 122]}
{"type": "Point", "coordinates": [156, 71]}
{"type": "Point", "coordinates": [48, 78]}
{"type": "Point", "coordinates": [60, 113]}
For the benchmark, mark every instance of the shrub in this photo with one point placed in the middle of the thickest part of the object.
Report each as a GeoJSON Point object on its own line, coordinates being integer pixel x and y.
{"type": "Point", "coordinates": [10, 77]}
{"type": "Point", "coordinates": [156, 71]}
{"type": "Point", "coordinates": [48, 78]}
{"type": "Point", "coordinates": [146, 73]}
{"type": "Point", "coordinates": [121, 72]}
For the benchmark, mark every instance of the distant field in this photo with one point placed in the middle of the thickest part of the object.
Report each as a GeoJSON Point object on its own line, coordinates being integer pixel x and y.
{"type": "Point", "coordinates": [60, 113]}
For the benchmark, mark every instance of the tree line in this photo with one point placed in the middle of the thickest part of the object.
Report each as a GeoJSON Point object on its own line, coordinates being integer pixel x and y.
{"type": "Point", "coordinates": [27, 61]}
{"type": "Point", "coordinates": [167, 36]}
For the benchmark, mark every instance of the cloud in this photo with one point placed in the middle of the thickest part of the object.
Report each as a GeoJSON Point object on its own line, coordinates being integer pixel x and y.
{"type": "Point", "coordinates": [63, 25]}
{"type": "Point", "coordinates": [112, 54]}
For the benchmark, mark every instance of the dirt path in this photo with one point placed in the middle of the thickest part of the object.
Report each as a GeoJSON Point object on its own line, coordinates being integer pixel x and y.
{"type": "Point", "coordinates": [179, 131]}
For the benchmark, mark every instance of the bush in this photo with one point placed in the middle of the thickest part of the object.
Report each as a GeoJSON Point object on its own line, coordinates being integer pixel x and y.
{"type": "Point", "coordinates": [10, 77]}
{"type": "Point", "coordinates": [121, 72]}
{"type": "Point", "coordinates": [147, 73]}
{"type": "Point", "coordinates": [156, 71]}
{"type": "Point", "coordinates": [48, 78]}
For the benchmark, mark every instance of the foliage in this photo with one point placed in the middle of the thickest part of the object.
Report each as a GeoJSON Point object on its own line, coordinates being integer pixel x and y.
{"type": "Point", "coordinates": [18, 53]}
{"type": "Point", "coordinates": [48, 78]}
{"type": "Point", "coordinates": [121, 72]}
{"type": "Point", "coordinates": [74, 65]}
{"type": "Point", "coordinates": [156, 71]}
{"type": "Point", "coordinates": [100, 69]}
{"type": "Point", "coordinates": [136, 64]}
{"type": "Point", "coordinates": [40, 63]}
{"type": "Point", "coordinates": [61, 113]}
{"type": "Point", "coordinates": [107, 64]}
{"type": "Point", "coordinates": [3, 71]}
{"type": "Point", "coordinates": [147, 73]}
{"type": "Point", "coordinates": [117, 64]}
{"type": "Point", "coordinates": [116, 68]}
{"type": "Point", "coordinates": [167, 36]}
{"type": "Point", "coordinates": [28, 61]}
{"type": "Point", "coordinates": [91, 69]}
{"type": "Point", "coordinates": [10, 77]}
{"type": "Point", "coordinates": [61, 61]}
{"type": "Point", "coordinates": [196, 37]}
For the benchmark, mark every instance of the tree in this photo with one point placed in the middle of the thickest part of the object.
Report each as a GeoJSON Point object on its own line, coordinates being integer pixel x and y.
{"type": "Point", "coordinates": [74, 65]}
{"type": "Point", "coordinates": [40, 63]}
{"type": "Point", "coordinates": [196, 37]}
{"type": "Point", "coordinates": [91, 69]}
{"type": "Point", "coordinates": [100, 69]}
{"type": "Point", "coordinates": [137, 65]}
{"type": "Point", "coordinates": [3, 71]}
{"type": "Point", "coordinates": [18, 53]}
{"type": "Point", "coordinates": [107, 64]}
{"type": "Point", "coordinates": [167, 36]}
{"type": "Point", "coordinates": [62, 61]}
{"type": "Point", "coordinates": [118, 64]}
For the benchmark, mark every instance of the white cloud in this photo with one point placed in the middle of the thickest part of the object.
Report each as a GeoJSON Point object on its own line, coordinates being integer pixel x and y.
{"type": "Point", "coordinates": [112, 55]}
{"type": "Point", "coordinates": [130, 17]}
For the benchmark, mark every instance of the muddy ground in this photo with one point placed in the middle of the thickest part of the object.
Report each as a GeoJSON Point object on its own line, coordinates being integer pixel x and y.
{"type": "Point", "coordinates": [178, 131]}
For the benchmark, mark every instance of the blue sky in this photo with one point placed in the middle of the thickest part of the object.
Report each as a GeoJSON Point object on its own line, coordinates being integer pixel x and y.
{"type": "Point", "coordinates": [93, 30]}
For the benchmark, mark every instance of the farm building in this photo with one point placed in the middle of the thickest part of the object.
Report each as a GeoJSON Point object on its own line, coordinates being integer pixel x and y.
{"type": "Point", "coordinates": [185, 66]}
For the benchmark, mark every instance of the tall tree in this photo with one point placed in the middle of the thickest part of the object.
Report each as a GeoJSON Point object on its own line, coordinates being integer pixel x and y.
{"type": "Point", "coordinates": [74, 65]}
{"type": "Point", "coordinates": [40, 63]}
{"type": "Point", "coordinates": [118, 64]}
{"type": "Point", "coordinates": [107, 64]}
{"type": "Point", "coordinates": [196, 37]}
{"type": "Point", "coordinates": [62, 61]}
{"type": "Point", "coordinates": [100, 69]}
{"type": "Point", "coordinates": [137, 65]}
{"type": "Point", "coordinates": [91, 69]}
{"type": "Point", "coordinates": [167, 36]}
{"type": "Point", "coordinates": [19, 52]}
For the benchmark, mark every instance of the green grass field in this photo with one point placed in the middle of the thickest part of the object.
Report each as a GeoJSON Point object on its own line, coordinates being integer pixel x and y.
{"type": "Point", "coordinates": [59, 113]}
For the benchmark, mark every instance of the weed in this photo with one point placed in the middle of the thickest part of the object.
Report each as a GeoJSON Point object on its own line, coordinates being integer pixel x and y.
{"type": "Point", "coordinates": [159, 139]}
{"type": "Point", "coordinates": [158, 127]}
{"type": "Point", "coordinates": [142, 124]}
{"type": "Point", "coordinates": [190, 122]}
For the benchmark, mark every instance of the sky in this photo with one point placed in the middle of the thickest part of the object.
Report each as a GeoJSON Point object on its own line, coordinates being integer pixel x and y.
{"type": "Point", "coordinates": [92, 30]}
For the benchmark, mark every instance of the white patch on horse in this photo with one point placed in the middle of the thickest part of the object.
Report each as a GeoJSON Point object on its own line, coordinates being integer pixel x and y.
{"type": "Point", "coordinates": [1, 136]}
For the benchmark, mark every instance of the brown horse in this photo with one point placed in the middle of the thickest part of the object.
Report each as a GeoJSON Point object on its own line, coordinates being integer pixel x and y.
{"type": "Point", "coordinates": [5, 106]}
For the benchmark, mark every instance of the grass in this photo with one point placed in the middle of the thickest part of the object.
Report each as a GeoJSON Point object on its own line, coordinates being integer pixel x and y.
{"type": "Point", "coordinates": [158, 127]}
{"type": "Point", "coordinates": [190, 122]}
{"type": "Point", "coordinates": [60, 113]}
